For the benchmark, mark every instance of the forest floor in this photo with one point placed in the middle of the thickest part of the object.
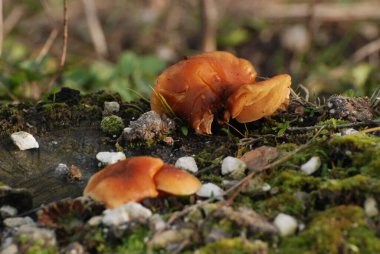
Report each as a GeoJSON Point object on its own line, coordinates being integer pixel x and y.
{"type": "Point", "coordinates": [333, 207]}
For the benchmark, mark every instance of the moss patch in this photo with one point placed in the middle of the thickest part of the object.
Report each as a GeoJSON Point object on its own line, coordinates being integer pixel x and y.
{"type": "Point", "coordinates": [341, 229]}
{"type": "Point", "coordinates": [234, 246]}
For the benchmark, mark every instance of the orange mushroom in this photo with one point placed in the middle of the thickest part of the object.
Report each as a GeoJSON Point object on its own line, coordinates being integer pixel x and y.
{"type": "Point", "coordinates": [175, 181]}
{"type": "Point", "coordinates": [137, 178]}
{"type": "Point", "coordinates": [199, 87]}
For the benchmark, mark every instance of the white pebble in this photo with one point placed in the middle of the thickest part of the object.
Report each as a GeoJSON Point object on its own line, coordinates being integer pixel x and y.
{"type": "Point", "coordinates": [18, 221]}
{"type": "Point", "coordinates": [62, 169]}
{"type": "Point", "coordinates": [157, 223]}
{"type": "Point", "coordinates": [127, 130]}
{"type": "Point", "coordinates": [107, 158]}
{"type": "Point", "coordinates": [370, 207]}
{"type": "Point", "coordinates": [349, 131]}
{"type": "Point", "coordinates": [125, 213]}
{"type": "Point", "coordinates": [111, 107]}
{"type": "Point", "coordinates": [7, 211]}
{"type": "Point", "coordinates": [24, 140]}
{"type": "Point", "coordinates": [311, 165]}
{"type": "Point", "coordinates": [210, 190]}
{"type": "Point", "coordinates": [187, 163]}
{"type": "Point", "coordinates": [10, 249]}
{"type": "Point", "coordinates": [95, 221]}
{"type": "Point", "coordinates": [231, 164]}
{"type": "Point", "coordinates": [286, 224]}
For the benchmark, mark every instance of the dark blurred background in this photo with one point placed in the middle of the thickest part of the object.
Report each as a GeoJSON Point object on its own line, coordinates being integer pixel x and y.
{"type": "Point", "coordinates": [327, 46]}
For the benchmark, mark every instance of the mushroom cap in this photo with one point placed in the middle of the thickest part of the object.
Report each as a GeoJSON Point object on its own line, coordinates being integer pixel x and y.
{"type": "Point", "coordinates": [125, 181]}
{"type": "Point", "coordinates": [176, 181]}
{"type": "Point", "coordinates": [254, 101]}
{"type": "Point", "coordinates": [196, 88]}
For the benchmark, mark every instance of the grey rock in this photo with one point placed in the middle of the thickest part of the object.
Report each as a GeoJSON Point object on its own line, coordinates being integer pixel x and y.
{"type": "Point", "coordinates": [148, 126]}
{"type": "Point", "coordinates": [111, 107]}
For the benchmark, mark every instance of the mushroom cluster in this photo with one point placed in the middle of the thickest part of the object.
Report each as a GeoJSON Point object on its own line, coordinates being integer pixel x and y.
{"type": "Point", "coordinates": [136, 178]}
{"type": "Point", "coordinates": [217, 83]}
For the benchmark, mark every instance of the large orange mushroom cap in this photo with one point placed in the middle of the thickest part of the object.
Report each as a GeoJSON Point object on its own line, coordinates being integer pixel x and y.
{"type": "Point", "coordinates": [196, 88]}
{"type": "Point", "coordinates": [176, 181]}
{"type": "Point", "coordinates": [125, 181]}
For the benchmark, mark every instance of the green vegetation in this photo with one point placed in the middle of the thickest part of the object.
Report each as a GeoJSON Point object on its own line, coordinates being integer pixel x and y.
{"type": "Point", "coordinates": [342, 229]}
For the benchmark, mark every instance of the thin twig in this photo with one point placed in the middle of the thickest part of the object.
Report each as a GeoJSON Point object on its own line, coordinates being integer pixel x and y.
{"type": "Point", "coordinates": [236, 189]}
{"type": "Point", "coordinates": [65, 34]}
{"type": "Point", "coordinates": [367, 50]}
{"type": "Point", "coordinates": [64, 47]}
{"type": "Point", "coordinates": [12, 19]}
{"type": "Point", "coordinates": [49, 42]}
{"type": "Point", "coordinates": [208, 168]}
{"type": "Point", "coordinates": [96, 31]}
{"type": "Point", "coordinates": [1, 27]}
{"type": "Point", "coordinates": [331, 126]}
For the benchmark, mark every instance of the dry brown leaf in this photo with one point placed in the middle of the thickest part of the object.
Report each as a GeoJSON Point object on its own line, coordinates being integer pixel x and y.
{"type": "Point", "coordinates": [260, 157]}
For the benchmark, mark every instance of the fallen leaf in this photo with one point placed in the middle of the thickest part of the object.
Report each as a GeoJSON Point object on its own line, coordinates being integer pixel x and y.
{"type": "Point", "coordinates": [260, 157]}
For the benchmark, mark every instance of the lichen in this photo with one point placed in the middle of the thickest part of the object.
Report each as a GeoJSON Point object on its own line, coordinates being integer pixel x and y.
{"type": "Point", "coordinates": [341, 229]}
{"type": "Point", "coordinates": [236, 245]}
{"type": "Point", "coordinates": [112, 125]}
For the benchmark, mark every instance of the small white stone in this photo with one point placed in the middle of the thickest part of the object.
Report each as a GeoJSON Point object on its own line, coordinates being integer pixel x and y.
{"type": "Point", "coordinates": [115, 217]}
{"type": "Point", "coordinates": [10, 249]}
{"type": "Point", "coordinates": [329, 104]}
{"type": "Point", "coordinates": [136, 211]}
{"type": "Point", "coordinates": [62, 169]}
{"type": "Point", "coordinates": [127, 130]}
{"type": "Point", "coordinates": [370, 207]}
{"type": "Point", "coordinates": [312, 165]}
{"type": "Point", "coordinates": [125, 213]}
{"type": "Point", "coordinates": [187, 163]}
{"type": "Point", "coordinates": [157, 223]}
{"type": "Point", "coordinates": [7, 211]}
{"type": "Point", "coordinates": [24, 140]}
{"type": "Point", "coordinates": [349, 131]}
{"type": "Point", "coordinates": [18, 221]}
{"type": "Point", "coordinates": [107, 158]}
{"type": "Point", "coordinates": [266, 187]}
{"type": "Point", "coordinates": [332, 111]}
{"type": "Point", "coordinates": [286, 224]}
{"type": "Point", "coordinates": [95, 221]}
{"type": "Point", "coordinates": [231, 164]}
{"type": "Point", "coordinates": [111, 107]}
{"type": "Point", "coordinates": [210, 190]}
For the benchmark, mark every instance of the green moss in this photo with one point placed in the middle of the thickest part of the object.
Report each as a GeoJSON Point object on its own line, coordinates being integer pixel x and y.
{"type": "Point", "coordinates": [30, 245]}
{"type": "Point", "coordinates": [344, 191]}
{"type": "Point", "coordinates": [288, 203]}
{"type": "Point", "coordinates": [132, 243]}
{"type": "Point", "coordinates": [362, 150]}
{"type": "Point", "coordinates": [234, 246]}
{"type": "Point", "coordinates": [294, 180]}
{"type": "Point", "coordinates": [112, 125]}
{"type": "Point", "coordinates": [342, 229]}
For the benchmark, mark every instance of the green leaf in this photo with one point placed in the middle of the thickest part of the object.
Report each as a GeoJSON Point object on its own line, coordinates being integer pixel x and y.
{"type": "Point", "coordinates": [185, 130]}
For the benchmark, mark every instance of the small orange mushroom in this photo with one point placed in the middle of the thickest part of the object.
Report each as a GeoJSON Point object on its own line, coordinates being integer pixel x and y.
{"type": "Point", "coordinates": [137, 178]}
{"type": "Point", "coordinates": [175, 181]}
{"type": "Point", "coordinates": [200, 87]}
